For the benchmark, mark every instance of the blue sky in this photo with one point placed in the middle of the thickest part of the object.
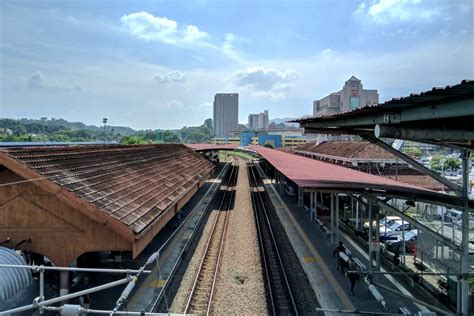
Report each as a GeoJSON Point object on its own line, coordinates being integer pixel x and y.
{"type": "Point", "coordinates": [158, 64]}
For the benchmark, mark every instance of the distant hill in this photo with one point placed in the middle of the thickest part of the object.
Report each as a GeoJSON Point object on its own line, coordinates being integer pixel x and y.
{"type": "Point", "coordinates": [285, 121]}
{"type": "Point", "coordinates": [57, 122]}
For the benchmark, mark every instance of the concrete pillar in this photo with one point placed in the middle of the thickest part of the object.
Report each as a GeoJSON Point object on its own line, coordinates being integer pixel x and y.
{"type": "Point", "coordinates": [63, 283]}
{"type": "Point", "coordinates": [311, 205]}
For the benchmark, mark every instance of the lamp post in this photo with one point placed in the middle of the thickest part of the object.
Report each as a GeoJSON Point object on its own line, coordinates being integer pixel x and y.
{"type": "Point", "coordinates": [104, 120]}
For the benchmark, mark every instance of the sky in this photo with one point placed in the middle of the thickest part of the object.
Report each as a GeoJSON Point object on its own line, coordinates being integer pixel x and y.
{"type": "Point", "coordinates": [157, 64]}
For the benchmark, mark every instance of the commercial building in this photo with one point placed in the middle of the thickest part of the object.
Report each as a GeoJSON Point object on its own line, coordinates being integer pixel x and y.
{"type": "Point", "coordinates": [351, 96]}
{"type": "Point", "coordinates": [259, 121]}
{"type": "Point", "coordinates": [226, 114]}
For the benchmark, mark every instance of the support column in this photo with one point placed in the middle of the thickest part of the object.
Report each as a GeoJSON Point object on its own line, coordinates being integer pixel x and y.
{"type": "Point", "coordinates": [311, 205]}
{"type": "Point", "coordinates": [63, 283]}
{"type": "Point", "coordinates": [357, 216]}
{"type": "Point", "coordinates": [465, 234]}
{"type": "Point", "coordinates": [300, 195]}
{"type": "Point", "coordinates": [370, 238]}
{"type": "Point", "coordinates": [336, 220]}
{"type": "Point", "coordinates": [315, 204]}
{"type": "Point", "coordinates": [333, 239]}
{"type": "Point", "coordinates": [377, 239]}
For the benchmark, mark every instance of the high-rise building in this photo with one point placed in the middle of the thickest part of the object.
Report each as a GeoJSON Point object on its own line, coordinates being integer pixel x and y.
{"type": "Point", "coordinates": [351, 96]}
{"type": "Point", "coordinates": [259, 121]}
{"type": "Point", "coordinates": [226, 114]}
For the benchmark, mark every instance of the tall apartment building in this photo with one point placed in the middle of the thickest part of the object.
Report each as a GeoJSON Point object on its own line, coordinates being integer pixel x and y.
{"type": "Point", "coordinates": [259, 121]}
{"type": "Point", "coordinates": [226, 114]}
{"type": "Point", "coordinates": [351, 96]}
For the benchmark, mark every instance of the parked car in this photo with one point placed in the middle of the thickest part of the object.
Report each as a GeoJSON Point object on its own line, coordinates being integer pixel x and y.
{"type": "Point", "coordinates": [410, 242]}
{"type": "Point", "coordinates": [458, 223]}
{"type": "Point", "coordinates": [396, 229]}
{"type": "Point", "coordinates": [386, 220]}
{"type": "Point", "coordinates": [452, 215]}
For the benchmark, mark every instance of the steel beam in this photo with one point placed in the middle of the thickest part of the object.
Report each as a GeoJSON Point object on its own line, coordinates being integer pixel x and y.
{"type": "Point", "coordinates": [445, 110]}
{"type": "Point", "coordinates": [415, 164]}
{"type": "Point", "coordinates": [417, 134]}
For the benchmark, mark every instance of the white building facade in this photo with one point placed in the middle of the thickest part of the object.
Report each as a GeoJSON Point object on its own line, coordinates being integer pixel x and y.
{"type": "Point", "coordinates": [226, 114]}
{"type": "Point", "coordinates": [351, 96]}
{"type": "Point", "coordinates": [259, 121]}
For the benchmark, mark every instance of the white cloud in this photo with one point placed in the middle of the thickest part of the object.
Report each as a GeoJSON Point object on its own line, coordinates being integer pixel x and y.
{"type": "Point", "coordinates": [172, 76]}
{"type": "Point", "coordinates": [265, 82]}
{"type": "Point", "coordinates": [192, 34]}
{"type": "Point", "coordinates": [39, 81]}
{"type": "Point", "coordinates": [205, 105]}
{"type": "Point", "coordinates": [388, 11]}
{"type": "Point", "coordinates": [153, 28]}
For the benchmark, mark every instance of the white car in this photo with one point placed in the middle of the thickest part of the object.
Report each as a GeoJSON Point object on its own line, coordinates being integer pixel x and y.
{"type": "Point", "coordinates": [396, 229]}
{"type": "Point", "coordinates": [389, 220]}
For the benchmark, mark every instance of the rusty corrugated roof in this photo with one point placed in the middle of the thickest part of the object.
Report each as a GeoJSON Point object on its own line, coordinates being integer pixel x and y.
{"type": "Point", "coordinates": [356, 150]}
{"type": "Point", "coordinates": [133, 184]}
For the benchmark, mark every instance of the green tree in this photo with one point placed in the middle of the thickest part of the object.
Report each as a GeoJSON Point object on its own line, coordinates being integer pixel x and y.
{"type": "Point", "coordinates": [413, 152]}
{"type": "Point", "coordinates": [132, 140]}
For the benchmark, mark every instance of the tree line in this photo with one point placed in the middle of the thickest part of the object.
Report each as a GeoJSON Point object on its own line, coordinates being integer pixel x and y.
{"type": "Point", "coordinates": [60, 130]}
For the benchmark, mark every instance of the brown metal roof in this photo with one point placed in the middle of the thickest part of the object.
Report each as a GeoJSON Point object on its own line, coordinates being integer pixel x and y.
{"type": "Point", "coordinates": [133, 184]}
{"type": "Point", "coordinates": [356, 150]}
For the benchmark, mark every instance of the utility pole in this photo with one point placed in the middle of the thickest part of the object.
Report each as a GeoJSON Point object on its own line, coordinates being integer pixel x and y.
{"type": "Point", "coordinates": [104, 120]}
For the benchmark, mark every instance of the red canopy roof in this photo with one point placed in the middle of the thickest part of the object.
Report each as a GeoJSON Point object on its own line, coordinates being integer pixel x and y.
{"type": "Point", "coordinates": [310, 173]}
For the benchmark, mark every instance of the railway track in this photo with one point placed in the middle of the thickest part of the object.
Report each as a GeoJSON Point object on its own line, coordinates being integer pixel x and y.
{"type": "Point", "coordinates": [279, 294]}
{"type": "Point", "coordinates": [202, 292]}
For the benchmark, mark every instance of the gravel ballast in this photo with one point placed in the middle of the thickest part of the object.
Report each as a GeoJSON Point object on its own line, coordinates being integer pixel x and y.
{"type": "Point", "coordinates": [240, 288]}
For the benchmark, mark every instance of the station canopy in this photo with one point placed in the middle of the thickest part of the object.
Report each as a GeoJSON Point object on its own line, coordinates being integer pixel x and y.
{"type": "Point", "coordinates": [311, 173]}
{"type": "Point", "coordinates": [441, 116]}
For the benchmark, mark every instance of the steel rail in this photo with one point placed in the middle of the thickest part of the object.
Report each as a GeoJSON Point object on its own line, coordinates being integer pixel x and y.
{"type": "Point", "coordinates": [208, 248]}
{"type": "Point", "coordinates": [154, 303]}
{"type": "Point", "coordinates": [280, 266]}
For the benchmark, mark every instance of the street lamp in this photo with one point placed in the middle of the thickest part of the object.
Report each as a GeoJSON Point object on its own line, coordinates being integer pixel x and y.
{"type": "Point", "coordinates": [104, 120]}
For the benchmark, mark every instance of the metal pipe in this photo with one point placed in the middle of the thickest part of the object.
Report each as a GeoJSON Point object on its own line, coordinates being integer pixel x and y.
{"type": "Point", "coordinates": [35, 267]}
{"type": "Point", "coordinates": [99, 311]}
{"type": "Point", "coordinates": [65, 297]}
{"type": "Point", "coordinates": [435, 308]}
{"type": "Point", "coordinates": [418, 134]}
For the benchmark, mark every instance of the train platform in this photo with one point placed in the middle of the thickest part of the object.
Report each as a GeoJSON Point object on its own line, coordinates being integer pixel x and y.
{"type": "Point", "coordinates": [331, 286]}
